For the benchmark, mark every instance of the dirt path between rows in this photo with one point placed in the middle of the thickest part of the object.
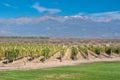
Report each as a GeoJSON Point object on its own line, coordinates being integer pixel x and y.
{"type": "Point", "coordinates": [31, 65]}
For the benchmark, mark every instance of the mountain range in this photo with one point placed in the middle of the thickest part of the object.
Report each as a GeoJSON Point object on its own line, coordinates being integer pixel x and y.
{"type": "Point", "coordinates": [61, 27]}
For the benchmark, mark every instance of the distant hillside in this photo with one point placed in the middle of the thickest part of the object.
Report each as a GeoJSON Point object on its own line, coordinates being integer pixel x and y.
{"type": "Point", "coordinates": [60, 27]}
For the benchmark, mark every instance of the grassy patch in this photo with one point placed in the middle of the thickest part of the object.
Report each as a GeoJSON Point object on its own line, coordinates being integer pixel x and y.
{"type": "Point", "coordinates": [93, 71]}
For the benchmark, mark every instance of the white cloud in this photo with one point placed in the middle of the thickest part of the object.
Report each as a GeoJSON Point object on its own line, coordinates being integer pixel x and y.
{"type": "Point", "coordinates": [9, 5]}
{"type": "Point", "coordinates": [113, 15]}
{"type": "Point", "coordinates": [101, 17]}
{"type": "Point", "coordinates": [96, 17]}
{"type": "Point", "coordinates": [44, 9]}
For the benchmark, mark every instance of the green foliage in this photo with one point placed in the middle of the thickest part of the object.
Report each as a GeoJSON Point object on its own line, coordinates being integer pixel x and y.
{"type": "Point", "coordinates": [97, 50]}
{"type": "Point", "coordinates": [10, 50]}
{"type": "Point", "coordinates": [11, 54]}
{"type": "Point", "coordinates": [74, 52]}
{"type": "Point", "coordinates": [62, 51]}
{"type": "Point", "coordinates": [117, 50]}
{"type": "Point", "coordinates": [83, 49]}
{"type": "Point", "coordinates": [45, 53]}
{"type": "Point", "coordinates": [108, 50]}
{"type": "Point", "coordinates": [2, 51]}
{"type": "Point", "coordinates": [29, 50]}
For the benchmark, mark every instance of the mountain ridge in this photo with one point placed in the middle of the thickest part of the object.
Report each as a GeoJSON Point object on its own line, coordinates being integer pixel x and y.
{"type": "Point", "coordinates": [60, 27]}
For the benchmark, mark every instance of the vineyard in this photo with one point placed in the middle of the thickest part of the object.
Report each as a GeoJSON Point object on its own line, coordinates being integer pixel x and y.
{"type": "Point", "coordinates": [11, 52]}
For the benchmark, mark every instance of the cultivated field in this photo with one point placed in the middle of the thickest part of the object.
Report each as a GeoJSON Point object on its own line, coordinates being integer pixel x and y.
{"type": "Point", "coordinates": [25, 53]}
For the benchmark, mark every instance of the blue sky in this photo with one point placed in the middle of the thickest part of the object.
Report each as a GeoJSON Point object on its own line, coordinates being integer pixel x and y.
{"type": "Point", "coordinates": [74, 18]}
{"type": "Point", "coordinates": [33, 8]}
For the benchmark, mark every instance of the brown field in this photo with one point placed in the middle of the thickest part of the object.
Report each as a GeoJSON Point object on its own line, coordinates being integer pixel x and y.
{"type": "Point", "coordinates": [64, 41]}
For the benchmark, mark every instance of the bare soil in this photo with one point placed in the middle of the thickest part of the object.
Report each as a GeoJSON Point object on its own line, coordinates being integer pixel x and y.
{"type": "Point", "coordinates": [32, 65]}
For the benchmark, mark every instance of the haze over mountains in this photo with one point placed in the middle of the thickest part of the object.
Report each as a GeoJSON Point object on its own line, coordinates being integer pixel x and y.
{"type": "Point", "coordinates": [61, 27]}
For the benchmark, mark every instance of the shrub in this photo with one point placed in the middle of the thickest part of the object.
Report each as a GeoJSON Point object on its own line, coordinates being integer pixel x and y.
{"type": "Point", "coordinates": [74, 52]}
{"type": "Point", "coordinates": [97, 50]}
{"type": "Point", "coordinates": [11, 54]}
{"type": "Point", "coordinates": [62, 53]}
{"type": "Point", "coordinates": [117, 50]}
{"type": "Point", "coordinates": [45, 53]}
{"type": "Point", "coordinates": [108, 50]}
{"type": "Point", "coordinates": [83, 49]}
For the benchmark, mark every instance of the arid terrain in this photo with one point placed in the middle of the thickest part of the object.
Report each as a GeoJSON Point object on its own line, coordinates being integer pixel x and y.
{"type": "Point", "coordinates": [63, 41]}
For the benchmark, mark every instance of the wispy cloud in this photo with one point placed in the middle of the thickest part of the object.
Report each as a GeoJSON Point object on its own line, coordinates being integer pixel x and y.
{"type": "Point", "coordinates": [103, 16]}
{"type": "Point", "coordinates": [9, 5]}
{"type": "Point", "coordinates": [42, 9]}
